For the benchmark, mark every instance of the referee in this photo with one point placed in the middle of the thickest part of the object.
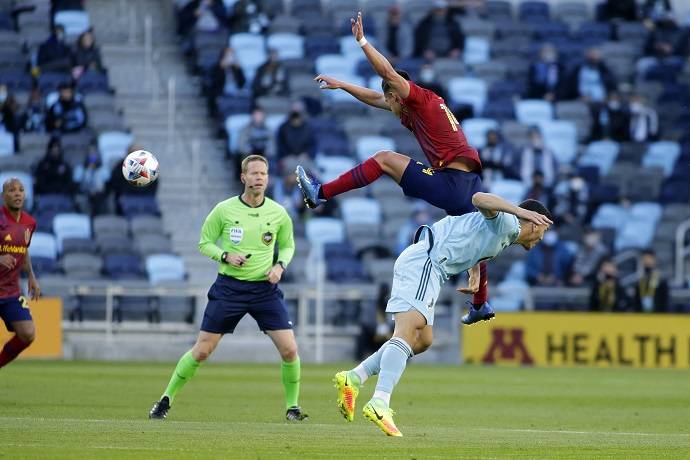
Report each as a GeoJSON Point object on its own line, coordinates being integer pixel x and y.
{"type": "Point", "coordinates": [248, 227]}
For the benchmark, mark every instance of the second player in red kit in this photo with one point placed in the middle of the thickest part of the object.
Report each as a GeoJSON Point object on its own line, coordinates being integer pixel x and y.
{"type": "Point", "coordinates": [16, 229]}
{"type": "Point", "coordinates": [454, 175]}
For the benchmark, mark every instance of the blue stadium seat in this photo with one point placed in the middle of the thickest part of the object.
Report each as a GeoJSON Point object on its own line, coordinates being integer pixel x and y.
{"type": "Point", "coordinates": [93, 82]}
{"type": "Point", "coordinates": [26, 179]}
{"type": "Point", "coordinates": [82, 266]}
{"type": "Point", "coordinates": [75, 22]}
{"type": "Point", "coordinates": [663, 154]}
{"type": "Point", "coordinates": [511, 295]}
{"type": "Point", "coordinates": [315, 46]}
{"type": "Point", "coordinates": [499, 109]}
{"type": "Point", "coordinates": [636, 233]}
{"type": "Point", "coordinates": [112, 244]}
{"type": "Point", "coordinates": [499, 9]}
{"type": "Point", "coordinates": [43, 245]}
{"type": "Point", "coordinates": [133, 205]}
{"type": "Point", "coordinates": [246, 42]}
{"type": "Point", "coordinates": [289, 46]}
{"type": "Point", "coordinates": [234, 124]}
{"type": "Point", "coordinates": [50, 81]}
{"type": "Point", "coordinates": [6, 144]}
{"type": "Point", "coordinates": [512, 190]}
{"type": "Point", "coordinates": [647, 210]}
{"type": "Point", "coordinates": [113, 147]}
{"type": "Point", "coordinates": [71, 225]}
{"type": "Point", "coordinates": [44, 265]}
{"type": "Point", "coordinates": [475, 130]}
{"type": "Point", "coordinates": [232, 105]}
{"type": "Point", "coordinates": [675, 191]}
{"type": "Point", "coordinates": [332, 143]}
{"type": "Point", "coordinates": [330, 167]}
{"type": "Point", "coordinates": [533, 11]}
{"type": "Point", "coordinates": [604, 193]}
{"type": "Point", "coordinates": [337, 251]}
{"type": "Point", "coordinates": [361, 211]}
{"type": "Point", "coordinates": [561, 137]}
{"type": "Point", "coordinates": [54, 202]}
{"type": "Point", "coordinates": [346, 270]}
{"type": "Point", "coordinates": [551, 31]}
{"type": "Point", "coordinates": [601, 31]}
{"type": "Point", "coordinates": [533, 111]}
{"type": "Point", "coordinates": [110, 225]}
{"type": "Point", "coordinates": [336, 64]}
{"type": "Point", "coordinates": [601, 154]}
{"type": "Point", "coordinates": [477, 49]}
{"type": "Point", "coordinates": [610, 215]}
{"type": "Point", "coordinates": [16, 80]}
{"type": "Point", "coordinates": [507, 90]}
{"type": "Point", "coordinates": [589, 173]}
{"type": "Point", "coordinates": [468, 90]}
{"type": "Point", "coordinates": [162, 268]}
{"type": "Point", "coordinates": [325, 230]}
{"type": "Point", "coordinates": [122, 266]}
{"type": "Point", "coordinates": [368, 145]}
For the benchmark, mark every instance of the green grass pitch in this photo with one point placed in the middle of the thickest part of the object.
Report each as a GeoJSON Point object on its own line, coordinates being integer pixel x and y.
{"type": "Point", "coordinates": [80, 410]}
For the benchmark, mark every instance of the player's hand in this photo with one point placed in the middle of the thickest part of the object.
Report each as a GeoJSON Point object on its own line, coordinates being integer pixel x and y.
{"type": "Point", "coordinates": [34, 288]}
{"type": "Point", "coordinates": [326, 82]}
{"type": "Point", "coordinates": [534, 217]}
{"type": "Point", "coordinates": [8, 261]}
{"type": "Point", "coordinates": [236, 260]}
{"type": "Point", "coordinates": [274, 274]}
{"type": "Point", "coordinates": [473, 282]}
{"type": "Point", "coordinates": [357, 27]}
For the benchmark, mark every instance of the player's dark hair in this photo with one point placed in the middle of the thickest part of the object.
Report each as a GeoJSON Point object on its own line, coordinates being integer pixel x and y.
{"type": "Point", "coordinates": [385, 86]}
{"type": "Point", "coordinates": [536, 206]}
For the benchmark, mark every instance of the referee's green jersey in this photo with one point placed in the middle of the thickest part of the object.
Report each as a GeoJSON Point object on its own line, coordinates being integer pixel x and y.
{"type": "Point", "coordinates": [245, 230]}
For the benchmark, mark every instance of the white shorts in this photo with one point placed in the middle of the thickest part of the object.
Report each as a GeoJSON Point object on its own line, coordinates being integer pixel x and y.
{"type": "Point", "coordinates": [416, 283]}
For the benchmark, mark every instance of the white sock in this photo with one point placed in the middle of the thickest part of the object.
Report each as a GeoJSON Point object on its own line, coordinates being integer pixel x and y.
{"type": "Point", "coordinates": [361, 373]}
{"type": "Point", "coordinates": [383, 395]}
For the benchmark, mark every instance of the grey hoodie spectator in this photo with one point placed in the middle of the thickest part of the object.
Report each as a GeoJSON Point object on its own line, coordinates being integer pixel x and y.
{"type": "Point", "coordinates": [395, 36]}
{"type": "Point", "coordinates": [537, 157]}
{"type": "Point", "coordinates": [644, 121]}
{"type": "Point", "coordinates": [437, 34]}
{"type": "Point", "coordinates": [588, 257]}
{"type": "Point", "coordinates": [545, 78]}
{"type": "Point", "coordinates": [270, 78]}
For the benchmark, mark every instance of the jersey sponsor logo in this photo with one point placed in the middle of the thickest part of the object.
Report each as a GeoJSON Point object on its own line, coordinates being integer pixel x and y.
{"type": "Point", "coordinates": [428, 171]}
{"type": "Point", "coordinates": [27, 235]}
{"type": "Point", "coordinates": [12, 249]}
{"type": "Point", "coordinates": [8, 237]}
{"type": "Point", "coordinates": [508, 345]}
{"type": "Point", "coordinates": [236, 235]}
{"type": "Point", "coordinates": [267, 238]}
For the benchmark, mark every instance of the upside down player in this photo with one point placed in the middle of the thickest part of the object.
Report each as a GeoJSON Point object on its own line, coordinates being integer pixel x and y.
{"type": "Point", "coordinates": [16, 229]}
{"type": "Point", "coordinates": [453, 176]}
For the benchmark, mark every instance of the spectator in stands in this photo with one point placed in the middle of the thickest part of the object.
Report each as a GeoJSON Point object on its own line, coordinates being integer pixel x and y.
{"type": "Point", "coordinates": [644, 120]}
{"type": "Point", "coordinates": [428, 80]}
{"type": "Point", "coordinates": [9, 114]}
{"type": "Point", "coordinates": [651, 290]}
{"type": "Point", "coordinates": [589, 255]}
{"type": "Point", "coordinates": [611, 120]}
{"type": "Point", "coordinates": [202, 15]}
{"type": "Point", "coordinates": [571, 199]}
{"type": "Point", "coordinates": [88, 176]}
{"type": "Point", "coordinates": [437, 34]}
{"type": "Point", "coordinates": [537, 157]}
{"type": "Point", "coordinates": [618, 9]}
{"type": "Point", "coordinates": [247, 16]}
{"type": "Point", "coordinates": [296, 137]}
{"type": "Point", "coordinates": [87, 56]}
{"type": "Point", "coordinates": [657, 9]}
{"type": "Point", "coordinates": [53, 174]}
{"type": "Point", "coordinates": [663, 38]}
{"type": "Point", "coordinates": [68, 114]}
{"type": "Point", "coordinates": [395, 36]}
{"type": "Point", "coordinates": [227, 77]}
{"type": "Point", "coordinates": [498, 158]}
{"type": "Point", "coordinates": [286, 192]}
{"type": "Point", "coordinates": [607, 293]}
{"type": "Point", "coordinates": [592, 80]}
{"type": "Point", "coordinates": [420, 216]}
{"type": "Point", "coordinates": [270, 78]}
{"type": "Point", "coordinates": [545, 77]}
{"type": "Point", "coordinates": [54, 54]}
{"type": "Point", "coordinates": [255, 138]}
{"type": "Point", "coordinates": [539, 191]}
{"type": "Point", "coordinates": [549, 263]}
{"type": "Point", "coordinates": [34, 115]}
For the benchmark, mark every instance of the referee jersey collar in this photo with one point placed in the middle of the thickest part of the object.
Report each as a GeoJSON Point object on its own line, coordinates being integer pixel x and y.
{"type": "Point", "coordinates": [250, 206]}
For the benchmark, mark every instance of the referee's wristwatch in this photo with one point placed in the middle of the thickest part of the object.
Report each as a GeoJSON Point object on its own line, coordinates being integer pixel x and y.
{"type": "Point", "coordinates": [282, 265]}
{"type": "Point", "coordinates": [223, 257]}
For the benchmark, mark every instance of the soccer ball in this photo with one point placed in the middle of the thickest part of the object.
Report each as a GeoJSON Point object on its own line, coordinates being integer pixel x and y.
{"type": "Point", "coordinates": [140, 168]}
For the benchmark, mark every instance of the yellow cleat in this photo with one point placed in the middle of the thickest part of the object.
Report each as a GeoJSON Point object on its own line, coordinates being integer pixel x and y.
{"type": "Point", "coordinates": [376, 411]}
{"type": "Point", "coordinates": [347, 394]}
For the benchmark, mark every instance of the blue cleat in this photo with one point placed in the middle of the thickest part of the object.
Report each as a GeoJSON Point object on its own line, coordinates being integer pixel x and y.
{"type": "Point", "coordinates": [483, 314]}
{"type": "Point", "coordinates": [310, 187]}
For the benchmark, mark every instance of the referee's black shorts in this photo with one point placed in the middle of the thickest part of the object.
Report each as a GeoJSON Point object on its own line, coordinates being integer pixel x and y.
{"type": "Point", "coordinates": [229, 299]}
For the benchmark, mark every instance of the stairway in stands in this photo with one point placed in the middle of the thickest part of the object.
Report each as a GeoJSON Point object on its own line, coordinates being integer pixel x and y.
{"type": "Point", "coordinates": [188, 189]}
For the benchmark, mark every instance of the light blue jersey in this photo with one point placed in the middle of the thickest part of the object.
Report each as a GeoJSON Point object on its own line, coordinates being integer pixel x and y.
{"type": "Point", "coordinates": [459, 243]}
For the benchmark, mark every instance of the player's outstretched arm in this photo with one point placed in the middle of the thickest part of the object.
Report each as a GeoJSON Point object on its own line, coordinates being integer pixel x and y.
{"type": "Point", "coordinates": [472, 282]}
{"type": "Point", "coordinates": [490, 205]}
{"type": "Point", "coordinates": [378, 61]}
{"type": "Point", "coordinates": [366, 95]}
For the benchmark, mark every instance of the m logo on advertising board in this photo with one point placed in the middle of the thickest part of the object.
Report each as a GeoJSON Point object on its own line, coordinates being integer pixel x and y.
{"type": "Point", "coordinates": [507, 345]}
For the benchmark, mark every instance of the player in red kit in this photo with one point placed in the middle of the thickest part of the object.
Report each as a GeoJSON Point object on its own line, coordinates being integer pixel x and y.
{"type": "Point", "coordinates": [16, 230]}
{"type": "Point", "coordinates": [454, 175]}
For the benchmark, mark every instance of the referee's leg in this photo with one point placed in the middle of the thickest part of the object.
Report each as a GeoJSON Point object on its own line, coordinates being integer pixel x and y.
{"type": "Point", "coordinates": [290, 371]}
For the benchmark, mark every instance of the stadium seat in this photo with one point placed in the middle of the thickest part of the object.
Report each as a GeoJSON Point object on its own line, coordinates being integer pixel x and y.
{"type": "Point", "coordinates": [475, 130]}
{"type": "Point", "coordinates": [663, 154]}
{"type": "Point", "coordinates": [511, 295]}
{"type": "Point", "coordinates": [247, 42]}
{"type": "Point", "coordinates": [675, 191]}
{"type": "Point", "coordinates": [319, 45]}
{"type": "Point", "coordinates": [571, 12]}
{"type": "Point", "coordinates": [93, 82]}
{"type": "Point", "coordinates": [361, 211]}
{"type": "Point", "coordinates": [26, 179]}
{"type": "Point", "coordinates": [122, 266]}
{"type": "Point", "coordinates": [500, 110]}
{"type": "Point", "coordinates": [82, 245]}
{"type": "Point", "coordinates": [156, 243]}
{"type": "Point", "coordinates": [331, 167]}
{"type": "Point", "coordinates": [110, 225]}
{"type": "Point", "coordinates": [16, 80]}
{"type": "Point", "coordinates": [601, 154]}
{"type": "Point", "coordinates": [472, 26]}
{"type": "Point", "coordinates": [550, 31]}
{"type": "Point", "coordinates": [71, 225]}
{"type": "Point", "coordinates": [113, 147]}
{"type": "Point", "coordinates": [496, 9]}
{"type": "Point", "coordinates": [133, 205]}
{"type": "Point", "coordinates": [288, 46]}
{"type": "Point", "coordinates": [285, 24]}
{"type": "Point", "coordinates": [346, 271]}
{"type": "Point", "coordinates": [512, 190]}
{"type": "Point", "coordinates": [490, 71]}
{"type": "Point", "coordinates": [234, 124]}
{"type": "Point", "coordinates": [635, 233]}
{"type": "Point", "coordinates": [533, 111]}
{"type": "Point", "coordinates": [647, 210]}
{"type": "Point", "coordinates": [468, 90]}
{"type": "Point", "coordinates": [113, 244]}
{"type": "Point", "coordinates": [561, 137]}
{"type": "Point", "coordinates": [151, 225]}
{"type": "Point", "coordinates": [82, 266]}
{"type": "Point", "coordinates": [533, 11]}
{"type": "Point", "coordinates": [609, 215]}
{"type": "Point", "coordinates": [332, 143]}
{"type": "Point", "coordinates": [43, 245]}
{"type": "Point", "coordinates": [477, 49]}
{"type": "Point", "coordinates": [369, 145]}
{"type": "Point", "coordinates": [75, 22]}
{"type": "Point", "coordinates": [6, 144]}
{"type": "Point", "coordinates": [162, 268]}
{"type": "Point", "coordinates": [325, 230]}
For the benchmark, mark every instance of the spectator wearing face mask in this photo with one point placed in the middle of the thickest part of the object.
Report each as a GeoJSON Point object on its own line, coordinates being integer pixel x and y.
{"type": "Point", "coordinates": [572, 197]}
{"type": "Point", "coordinates": [53, 174]}
{"type": "Point", "coordinates": [270, 78]}
{"type": "Point", "coordinates": [34, 115]}
{"type": "Point", "coordinates": [545, 75]}
{"type": "Point", "coordinates": [590, 254]}
{"type": "Point", "coordinates": [54, 54]}
{"type": "Point", "coordinates": [428, 80]}
{"type": "Point", "coordinates": [537, 157]}
{"type": "Point", "coordinates": [548, 264]}
{"type": "Point", "coordinates": [247, 16]}
{"type": "Point", "coordinates": [68, 114]}
{"type": "Point", "coordinates": [644, 120]}
{"type": "Point", "coordinates": [540, 192]}
{"type": "Point", "coordinates": [227, 76]}
{"type": "Point", "coordinates": [295, 136]}
{"type": "Point", "coordinates": [202, 15]}
{"type": "Point", "coordinates": [611, 120]}
{"type": "Point", "coordinates": [592, 80]}
{"type": "Point", "coordinates": [255, 138]}
{"type": "Point", "coordinates": [607, 294]}
{"type": "Point", "coordinates": [498, 159]}
{"type": "Point", "coordinates": [395, 36]}
{"type": "Point", "coordinates": [651, 289]}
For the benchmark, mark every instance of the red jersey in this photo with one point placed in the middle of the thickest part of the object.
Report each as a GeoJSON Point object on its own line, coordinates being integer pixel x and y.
{"type": "Point", "coordinates": [15, 237]}
{"type": "Point", "coordinates": [437, 130]}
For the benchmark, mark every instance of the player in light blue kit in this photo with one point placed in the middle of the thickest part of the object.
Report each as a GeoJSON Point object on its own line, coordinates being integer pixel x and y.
{"type": "Point", "coordinates": [452, 245]}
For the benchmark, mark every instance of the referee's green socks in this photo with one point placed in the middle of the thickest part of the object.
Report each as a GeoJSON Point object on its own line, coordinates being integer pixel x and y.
{"type": "Point", "coordinates": [185, 370]}
{"type": "Point", "coordinates": [290, 375]}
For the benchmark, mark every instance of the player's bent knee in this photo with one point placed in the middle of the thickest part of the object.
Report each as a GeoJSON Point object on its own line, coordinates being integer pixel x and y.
{"type": "Point", "coordinates": [289, 353]}
{"type": "Point", "coordinates": [27, 336]}
{"type": "Point", "coordinates": [202, 351]}
{"type": "Point", "coordinates": [383, 157]}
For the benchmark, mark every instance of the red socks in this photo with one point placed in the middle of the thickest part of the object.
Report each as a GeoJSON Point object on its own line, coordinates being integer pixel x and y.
{"type": "Point", "coordinates": [11, 350]}
{"type": "Point", "coordinates": [360, 176]}
{"type": "Point", "coordinates": [483, 293]}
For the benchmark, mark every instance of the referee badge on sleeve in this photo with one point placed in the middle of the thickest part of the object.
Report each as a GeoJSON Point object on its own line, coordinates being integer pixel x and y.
{"type": "Point", "coordinates": [236, 234]}
{"type": "Point", "coordinates": [267, 238]}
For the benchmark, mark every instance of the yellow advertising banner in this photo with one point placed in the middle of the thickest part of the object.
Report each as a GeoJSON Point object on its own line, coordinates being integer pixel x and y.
{"type": "Point", "coordinates": [47, 314]}
{"type": "Point", "coordinates": [580, 339]}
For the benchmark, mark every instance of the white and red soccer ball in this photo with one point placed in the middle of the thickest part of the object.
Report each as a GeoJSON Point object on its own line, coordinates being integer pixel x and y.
{"type": "Point", "coordinates": [140, 168]}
